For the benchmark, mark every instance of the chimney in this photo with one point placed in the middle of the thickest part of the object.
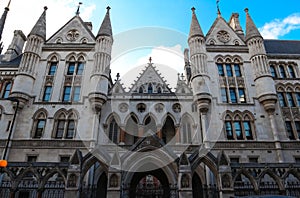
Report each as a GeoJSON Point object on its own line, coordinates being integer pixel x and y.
{"type": "Point", "coordinates": [16, 46]}
{"type": "Point", "coordinates": [234, 22]}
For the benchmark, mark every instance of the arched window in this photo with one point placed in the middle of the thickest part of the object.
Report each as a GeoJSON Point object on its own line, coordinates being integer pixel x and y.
{"type": "Point", "coordinates": [141, 90]}
{"type": "Point", "coordinates": [273, 71]}
{"type": "Point", "coordinates": [282, 71]}
{"type": "Point", "coordinates": [39, 125]}
{"type": "Point", "coordinates": [159, 90]}
{"type": "Point", "coordinates": [7, 89]}
{"type": "Point", "coordinates": [52, 68]}
{"type": "Point", "coordinates": [150, 88]}
{"type": "Point", "coordinates": [186, 130]}
{"type": "Point", "coordinates": [291, 71]}
{"type": "Point", "coordinates": [113, 131]}
{"type": "Point", "coordinates": [65, 125]}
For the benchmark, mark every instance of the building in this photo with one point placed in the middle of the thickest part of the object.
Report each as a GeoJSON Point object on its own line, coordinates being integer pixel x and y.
{"type": "Point", "coordinates": [230, 128]}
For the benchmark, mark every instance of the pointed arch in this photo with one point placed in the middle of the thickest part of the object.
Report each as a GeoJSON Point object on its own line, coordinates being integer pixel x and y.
{"type": "Point", "coordinates": [54, 57]}
{"type": "Point", "coordinates": [39, 123]}
{"type": "Point", "coordinates": [248, 176]}
{"type": "Point", "coordinates": [51, 174]}
{"type": "Point", "coordinates": [187, 128]}
{"type": "Point", "coordinates": [271, 174]}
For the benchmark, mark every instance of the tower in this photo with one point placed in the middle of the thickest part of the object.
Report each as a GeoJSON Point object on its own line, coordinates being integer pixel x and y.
{"type": "Point", "coordinates": [25, 78]}
{"type": "Point", "coordinates": [101, 70]}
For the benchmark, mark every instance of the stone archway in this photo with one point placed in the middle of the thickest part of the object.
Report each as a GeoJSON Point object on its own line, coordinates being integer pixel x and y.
{"type": "Point", "coordinates": [160, 190]}
{"type": "Point", "coordinates": [102, 186]}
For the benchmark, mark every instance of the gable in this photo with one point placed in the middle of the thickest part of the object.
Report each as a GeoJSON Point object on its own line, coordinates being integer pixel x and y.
{"type": "Point", "coordinates": [150, 82]}
{"type": "Point", "coordinates": [222, 34]}
{"type": "Point", "coordinates": [74, 31]}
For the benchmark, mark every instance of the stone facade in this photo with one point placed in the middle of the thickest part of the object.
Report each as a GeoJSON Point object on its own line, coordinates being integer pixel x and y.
{"type": "Point", "coordinates": [231, 127]}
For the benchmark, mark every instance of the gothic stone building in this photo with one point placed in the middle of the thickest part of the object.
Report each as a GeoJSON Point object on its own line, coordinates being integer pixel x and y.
{"type": "Point", "coordinates": [231, 127]}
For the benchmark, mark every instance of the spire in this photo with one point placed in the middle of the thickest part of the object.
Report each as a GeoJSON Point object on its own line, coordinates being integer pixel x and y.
{"type": "Point", "coordinates": [3, 19]}
{"type": "Point", "coordinates": [39, 28]}
{"type": "Point", "coordinates": [218, 9]}
{"type": "Point", "coordinates": [251, 29]}
{"type": "Point", "coordinates": [78, 8]}
{"type": "Point", "coordinates": [195, 29]}
{"type": "Point", "coordinates": [105, 28]}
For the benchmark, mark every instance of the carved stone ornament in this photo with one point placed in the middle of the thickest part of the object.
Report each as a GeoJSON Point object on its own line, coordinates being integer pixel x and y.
{"type": "Point", "coordinates": [223, 36]}
{"type": "Point", "coordinates": [72, 35]}
{"type": "Point", "coordinates": [123, 107]}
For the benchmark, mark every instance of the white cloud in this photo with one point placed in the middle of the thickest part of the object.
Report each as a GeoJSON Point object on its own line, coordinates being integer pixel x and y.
{"type": "Point", "coordinates": [168, 61]}
{"type": "Point", "coordinates": [24, 14]}
{"type": "Point", "coordinates": [277, 27]}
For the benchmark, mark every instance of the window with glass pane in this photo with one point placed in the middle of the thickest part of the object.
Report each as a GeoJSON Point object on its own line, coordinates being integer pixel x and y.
{"type": "Point", "coordinates": [242, 96]}
{"type": "Point", "coordinates": [248, 132]}
{"type": "Point", "coordinates": [229, 70]}
{"type": "Point", "coordinates": [52, 69]}
{"type": "Point", "coordinates": [290, 99]}
{"type": "Point", "coordinates": [39, 128]}
{"type": "Point", "coordinates": [224, 95]}
{"type": "Point", "coordinates": [282, 72]}
{"type": "Point", "coordinates": [298, 99]}
{"type": "Point", "coordinates": [291, 71]}
{"type": "Point", "coordinates": [70, 129]}
{"type": "Point", "coordinates": [237, 70]}
{"type": "Point", "coordinates": [47, 93]}
{"type": "Point", "coordinates": [67, 94]}
{"type": "Point", "coordinates": [113, 131]}
{"type": "Point", "coordinates": [60, 129]}
{"type": "Point", "coordinates": [150, 88]}
{"type": "Point", "coordinates": [281, 100]}
{"type": "Point", "coordinates": [71, 68]}
{"type": "Point", "coordinates": [6, 90]}
{"type": "Point", "coordinates": [273, 71]}
{"type": "Point", "coordinates": [238, 130]}
{"type": "Point", "coordinates": [289, 130]}
{"type": "Point", "coordinates": [76, 96]}
{"type": "Point", "coordinates": [229, 130]}
{"type": "Point", "coordinates": [80, 67]}
{"type": "Point", "coordinates": [220, 70]}
{"type": "Point", "coordinates": [297, 124]}
{"type": "Point", "coordinates": [232, 95]}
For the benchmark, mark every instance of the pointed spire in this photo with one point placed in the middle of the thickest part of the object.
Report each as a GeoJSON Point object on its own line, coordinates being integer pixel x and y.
{"type": "Point", "coordinates": [39, 28]}
{"type": "Point", "coordinates": [218, 9]}
{"type": "Point", "coordinates": [3, 19]}
{"type": "Point", "coordinates": [251, 29]}
{"type": "Point", "coordinates": [78, 8]}
{"type": "Point", "coordinates": [195, 29]}
{"type": "Point", "coordinates": [105, 28]}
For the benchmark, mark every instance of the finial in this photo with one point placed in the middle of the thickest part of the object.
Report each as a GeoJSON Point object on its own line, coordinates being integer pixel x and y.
{"type": "Point", "coordinates": [45, 8]}
{"type": "Point", "coordinates": [8, 4]}
{"type": "Point", "coordinates": [118, 76]}
{"type": "Point", "coordinates": [218, 8]}
{"type": "Point", "coordinates": [182, 76]}
{"type": "Point", "coordinates": [150, 59]}
{"type": "Point", "coordinates": [246, 10]}
{"type": "Point", "coordinates": [108, 8]}
{"type": "Point", "coordinates": [193, 10]}
{"type": "Point", "coordinates": [78, 8]}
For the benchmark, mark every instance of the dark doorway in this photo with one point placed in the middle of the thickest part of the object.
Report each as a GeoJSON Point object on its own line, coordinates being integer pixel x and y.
{"type": "Point", "coordinates": [197, 187]}
{"type": "Point", "coordinates": [102, 186]}
{"type": "Point", "coordinates": [157, 185]}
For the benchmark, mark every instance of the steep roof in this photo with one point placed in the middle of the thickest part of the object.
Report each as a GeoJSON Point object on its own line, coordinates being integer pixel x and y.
{"type": "Point", "coordinates": [251, 29]}
{"type": "Point", "coordinates": [282, 47]}
{"type": "Point", "coordinates": [105, 28]}
{"type": "Point", "coordinates": [39, 28]}
{"type": "Point", "coordinates": [195, 29]}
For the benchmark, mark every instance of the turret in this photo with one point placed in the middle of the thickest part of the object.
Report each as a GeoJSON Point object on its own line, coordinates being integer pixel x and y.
{"type": "Point", "coordinates": [265, 89]}
{"type": "Point", "coordinates": [198, 58]}
{"type": "Point", "coordinates": [2, 23]}
{"type": "Point", "coordinates": [234, 22]}
{"type": "Point", "coordinates": [24, 82]}
{"type": "Point", "coordinates": [101, 70]}
{"type": "Point", "coordinates": [16, 46]}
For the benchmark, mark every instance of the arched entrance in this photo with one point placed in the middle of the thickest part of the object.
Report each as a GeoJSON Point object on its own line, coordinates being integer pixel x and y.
{"type": "Point", "coordinates": [102, 186]}
{"type": "Point", "coordinates": [197, 186]}
{"type": "Point", "coordinates": [151, 184]}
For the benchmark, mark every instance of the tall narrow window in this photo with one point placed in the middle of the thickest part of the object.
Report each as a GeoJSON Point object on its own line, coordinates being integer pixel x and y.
{"type": "Point", "coordinates": [224, 95]}
{"type": "Point", "coordinates": [159, 90]}
{"type": "Point", "coordinates": [242, 96]}
{"type": "Point", "coordinates": [80, 67]}
{"type": "Point", "coordinates": [298, 99]}
{"type": "Point", "coordinates": [238, 130]}
{"type": "Point", "coordinates": [229, 70]}
{"type": "Point", "coordinates": [229, 132]}
{"type": "Point", "coordinates": [70, 129]}
{"type": "Point", "coordinates": [281, 99]}
{"type": "Point", "coordinates": [232, 95]}
{"type": "Point", "coordinates": [67, 94]}
{"type": "Point", "coordinates": [282, 71]}
{"type": "Point", "coordinates": [71, 68]}
{"type": "Point", "coordinates": [52, 69]}
{"type": "Point", "coordinates": [290, 99]}
{"type": "Point", "coordinates": [291, 71]}
{"type": "Point", "coordinates": [40, 127]}
{"type": "Point", "coordinates": [60, 129]}
{"type": "Point", "coordinates": [7, 89]}
{"type": "Point", "coordinates": [76, 94]}
{"type": "Point", "coordinates": [150, 88]}
{"type": "Point", "coordinates": [289, 130]}
{"type": "Point", "coordinates": [237, 70]}
{"type": "Point", "coordinates": [113, 131]}
{"type": "Point", "coordinates": [248, 132]}
{"type": "Point", "coordinates": [47, 93]}
{"type": "Point", "coordinates": [220, 70]}
{"type": "Point", "coordinates": [273, 71]}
